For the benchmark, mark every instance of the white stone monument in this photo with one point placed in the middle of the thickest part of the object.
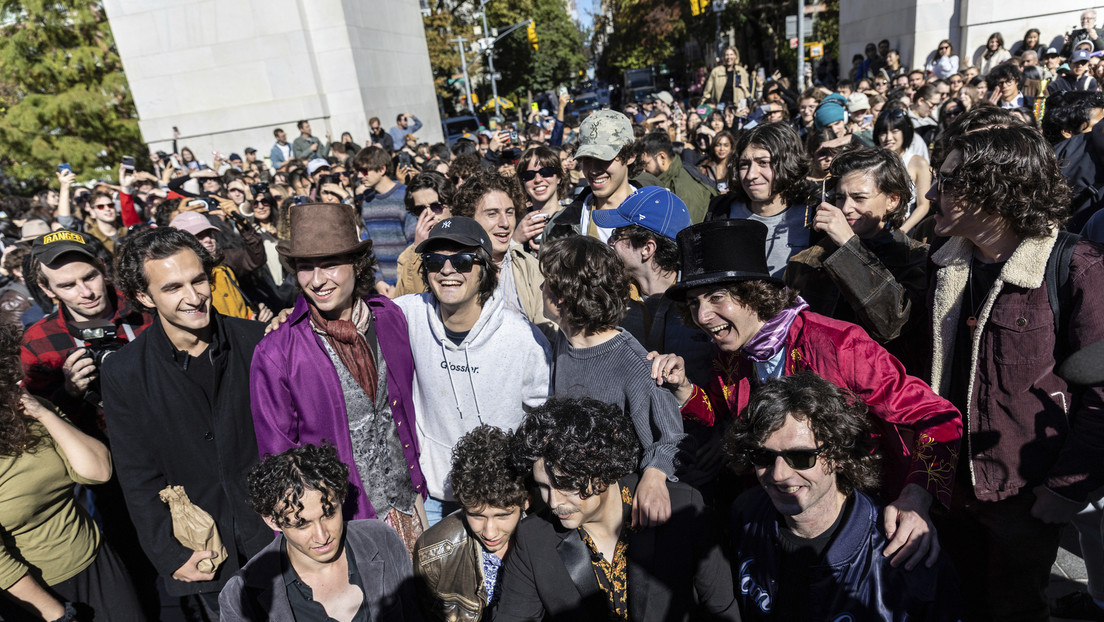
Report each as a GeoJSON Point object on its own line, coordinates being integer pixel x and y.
{"type": "Point", "coordinates": [915, 27]}
{"type": "Point", "coordinates": [228, 72]}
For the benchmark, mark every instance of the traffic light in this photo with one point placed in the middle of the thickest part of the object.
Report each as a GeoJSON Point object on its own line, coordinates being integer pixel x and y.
{"type": "Point", "coordinates": [696, 7]}
{"type": "Point", "coordinates": [532, 32]}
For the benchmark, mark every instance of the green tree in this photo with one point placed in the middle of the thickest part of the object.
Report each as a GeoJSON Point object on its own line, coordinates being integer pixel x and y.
{"type": "Point", "coordinates": [72, 102]}
{"type": "Point", "coordinates": [557, 60]}
{"type": "Point", "coordinates": [645, 33]}
{"type": "Point", "coordinates": [559, 56]}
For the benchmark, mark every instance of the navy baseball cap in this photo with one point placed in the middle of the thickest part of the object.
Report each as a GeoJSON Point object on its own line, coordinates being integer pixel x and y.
{"type": "Point", "coordinates": [459, 230]}
{"type": "Point", "coordinates": [655, 208]}
{"type": "Point", "coordinates": [1079, 55]}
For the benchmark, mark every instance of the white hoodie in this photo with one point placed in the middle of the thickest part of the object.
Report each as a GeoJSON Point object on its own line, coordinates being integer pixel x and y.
{"type": "Point", "coordinates": [502, 365]}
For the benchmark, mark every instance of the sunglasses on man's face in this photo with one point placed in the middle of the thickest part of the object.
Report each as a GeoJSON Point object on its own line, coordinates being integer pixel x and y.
{"type": "Point", "coordinates": [546, 172]}
{"type": "Point", "coordinates": [800, 459]}
{"type": "Point", "coordinates": [461, 262]}
{"type": "Point", "coordinates": [436, 207]}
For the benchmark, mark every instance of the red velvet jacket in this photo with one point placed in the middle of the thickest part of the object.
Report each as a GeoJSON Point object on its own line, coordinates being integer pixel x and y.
{"type": "Point", "coordinates": [919, 432]}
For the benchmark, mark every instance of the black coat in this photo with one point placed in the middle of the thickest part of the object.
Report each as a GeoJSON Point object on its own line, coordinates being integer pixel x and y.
{"type": "Point", "coordinates": [163, 432]}
{"type": "Point", "coordinates": [675, 571]}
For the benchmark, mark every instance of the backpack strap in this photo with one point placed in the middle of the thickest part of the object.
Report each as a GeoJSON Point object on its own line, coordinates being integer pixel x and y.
{"type": "Point", "coordinates": [1057, 283]}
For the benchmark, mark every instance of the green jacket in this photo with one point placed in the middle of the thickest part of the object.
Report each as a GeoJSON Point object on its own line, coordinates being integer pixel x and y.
{"type": "Point", "coordinates": [692, 192]}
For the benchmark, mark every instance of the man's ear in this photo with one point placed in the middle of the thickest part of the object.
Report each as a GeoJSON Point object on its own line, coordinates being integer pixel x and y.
{"type": "Point", "coordinates": [49, 292]}
{"type": "Point", "coordinates": [145, 299]}
{"type": "Point", "coordinates": [271, 524]}
{"type": "Point", "coordinates": [647, 251]}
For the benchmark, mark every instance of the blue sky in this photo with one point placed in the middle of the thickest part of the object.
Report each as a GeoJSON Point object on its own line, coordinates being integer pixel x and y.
{"type": "Point", "coordinates": [587, 9]}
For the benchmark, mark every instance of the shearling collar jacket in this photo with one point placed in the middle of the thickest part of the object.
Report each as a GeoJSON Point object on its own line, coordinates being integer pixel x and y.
{"type": "Point", "coordinates": [1025, 426]}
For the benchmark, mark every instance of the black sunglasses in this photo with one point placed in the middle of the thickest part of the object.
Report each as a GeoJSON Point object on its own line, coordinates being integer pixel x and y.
{"type": "Point", "coordinates": [436, 207]}
{"type": "Point", "coordinates": [546, 172]}
{"type": "Point", "coordinates": [800, 459]}
{"type": "Point", "coordinates": [461, 262]}
{"type": "Point", "coordinates": [941, 179]}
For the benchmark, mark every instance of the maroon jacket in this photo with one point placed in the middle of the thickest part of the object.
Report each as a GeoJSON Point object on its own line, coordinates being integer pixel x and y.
{"type": "Point", "coordinates": [1026, 426]}
{"type": "Point", "coordinates": [919, 432]}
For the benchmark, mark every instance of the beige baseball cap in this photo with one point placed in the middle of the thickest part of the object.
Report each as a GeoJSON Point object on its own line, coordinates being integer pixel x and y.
{"type": "Point", "coordinates": [603, 134]}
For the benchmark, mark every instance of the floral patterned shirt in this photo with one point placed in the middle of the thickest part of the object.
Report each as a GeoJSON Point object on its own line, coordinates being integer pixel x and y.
{"type": "Point", "coordinates": [613, 575]}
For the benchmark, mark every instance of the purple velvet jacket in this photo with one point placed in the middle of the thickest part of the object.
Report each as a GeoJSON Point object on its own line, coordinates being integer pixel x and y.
{"type": "Point", "coordinates": [296, 395]}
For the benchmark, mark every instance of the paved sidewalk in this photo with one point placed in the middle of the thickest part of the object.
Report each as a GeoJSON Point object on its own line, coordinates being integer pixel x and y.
{"type": "Point", "coordinates": [1068, 573]}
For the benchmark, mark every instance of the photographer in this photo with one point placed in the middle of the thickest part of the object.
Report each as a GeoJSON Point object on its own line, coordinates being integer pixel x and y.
{"type": "Point", "coordinates": [1087, 32]}
{"type": "Point", "coordinates": [57, 365]}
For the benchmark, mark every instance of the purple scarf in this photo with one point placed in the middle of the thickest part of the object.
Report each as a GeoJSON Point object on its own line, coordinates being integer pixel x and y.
{"type": "Point", "coordinates": [769, 340]}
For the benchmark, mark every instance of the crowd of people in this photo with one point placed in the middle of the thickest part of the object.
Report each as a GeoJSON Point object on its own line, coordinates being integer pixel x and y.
{"type": "Point", "coordinates": [777, 354]}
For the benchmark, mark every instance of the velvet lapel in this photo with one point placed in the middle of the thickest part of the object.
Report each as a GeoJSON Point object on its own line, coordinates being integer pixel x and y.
{"type": "Point", "coordinates": [576, 560]}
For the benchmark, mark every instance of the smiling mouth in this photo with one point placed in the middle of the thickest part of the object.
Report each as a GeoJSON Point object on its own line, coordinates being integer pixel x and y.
{"type": "Point", "coordinates": [787, 490]}
{"type": "Point", "coordinates": [716, 330]}
{"type": "Point", "coordinates": [324, 293]}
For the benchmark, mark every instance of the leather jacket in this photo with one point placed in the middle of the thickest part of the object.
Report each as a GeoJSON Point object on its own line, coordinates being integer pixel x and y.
{"type": "Point", "coordinates": [852, 581]}
{"type": "Point", "coordinates": [448, 566]}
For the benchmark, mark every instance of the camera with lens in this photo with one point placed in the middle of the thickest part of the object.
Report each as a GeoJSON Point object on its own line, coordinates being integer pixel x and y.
{"type": "Point", "coordinates": [333, 178]}
{"type": "Point", "coordinates": [258, 188]}
{"type": "Point", "coordinates": [100, 338]}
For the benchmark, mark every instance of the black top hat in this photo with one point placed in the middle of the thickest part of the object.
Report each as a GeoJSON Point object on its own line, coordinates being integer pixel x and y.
{"type": "Point", "coordinates": [721, 251]}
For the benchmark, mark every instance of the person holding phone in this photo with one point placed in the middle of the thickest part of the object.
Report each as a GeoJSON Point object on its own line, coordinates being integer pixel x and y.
{"type": "Point", "coordinates": [865, 270]}
{"type": "Point", "coordinates": [545, 184]}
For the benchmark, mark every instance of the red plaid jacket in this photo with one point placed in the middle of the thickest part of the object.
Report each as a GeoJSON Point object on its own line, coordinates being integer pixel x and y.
{"type": "Point", "coordinates": [47, 343]}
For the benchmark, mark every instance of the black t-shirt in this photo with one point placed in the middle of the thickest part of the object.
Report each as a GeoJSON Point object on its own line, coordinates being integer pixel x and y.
{"type": "Point", "coordinates": [456, 337]}
{"type": "Point", "coordinates": [798, 556]}
{"type": "Point", "coordinates": [728, 93]}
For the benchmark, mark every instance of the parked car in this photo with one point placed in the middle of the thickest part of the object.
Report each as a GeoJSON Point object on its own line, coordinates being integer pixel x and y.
{"type": "Point", "coordinates": [455, 127]}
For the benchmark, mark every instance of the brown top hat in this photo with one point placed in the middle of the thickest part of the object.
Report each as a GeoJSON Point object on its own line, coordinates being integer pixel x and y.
{"type": "Point", "coordinates": [322, 230]}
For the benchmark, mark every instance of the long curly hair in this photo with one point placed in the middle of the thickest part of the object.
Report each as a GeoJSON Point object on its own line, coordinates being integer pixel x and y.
{"type": "Point", "coordinates": [16, 435]}
{"type": "Point", "coordinates": [586, 445]}
{"type": "Point", "coordinates": [789, 163]}
{"type": "Point", "coordinates": [837, 418]}
{"type": "Point", "coordinates": [590, 278]}
{"type": "Point", "coordinates": [484, 472]}
{"type": "Point", "coordinates": [1031, 205]}
{"type": "Point", "coordinates": [278, 483]}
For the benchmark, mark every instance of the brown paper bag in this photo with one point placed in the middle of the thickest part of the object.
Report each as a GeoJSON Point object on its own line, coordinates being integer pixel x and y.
{"type": "Point", "coordinates": [194, 527]}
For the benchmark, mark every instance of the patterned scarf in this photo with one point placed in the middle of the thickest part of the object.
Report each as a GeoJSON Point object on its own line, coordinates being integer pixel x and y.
{"type": "Point", "coordinates": [769, 340]}
{"type": "Point", "coordinates": [346, 338]}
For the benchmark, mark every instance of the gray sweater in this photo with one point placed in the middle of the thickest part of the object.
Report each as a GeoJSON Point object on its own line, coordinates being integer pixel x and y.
{"type": "Point", "coordinates": [618, 372]}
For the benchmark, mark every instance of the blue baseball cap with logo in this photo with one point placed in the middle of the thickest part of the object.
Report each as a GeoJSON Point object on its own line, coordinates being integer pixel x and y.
{"type": "Point", "coordinates": [655, 208]}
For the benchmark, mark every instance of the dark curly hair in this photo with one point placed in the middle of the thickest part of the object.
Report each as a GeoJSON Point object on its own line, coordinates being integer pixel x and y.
{"type": "Point", "coordinates": [587, 445]}
{"type": "Point", "coordinates": [837, 418]}
{"type": "Point", "coordinates": [277, 484]}
{"type": "Point", "coordinates": [16, 435]}
{"type": "Point", "coordinates": [480, 184]}
{"type": "Point", "coordinates": [885, 168]}
{"type": "Point", "coordinates": [153, 245]}
{"type": "Point", "coordinates": [980, 116]}
{"type": "Point", "coordinates": [463, 167]}
{"type": "Point", "coordinates": [484, 472]}
{"type": "Point", "coordinates": [488, 273]}
{"type": "Point", "coordinates": [789, 162]}
{"type": "Point", "coordinates": [590, 278]}
{"type": "Point", "coordinates": [1031, 205]}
